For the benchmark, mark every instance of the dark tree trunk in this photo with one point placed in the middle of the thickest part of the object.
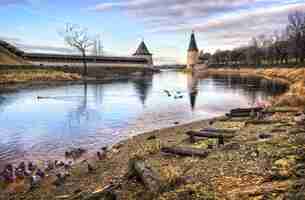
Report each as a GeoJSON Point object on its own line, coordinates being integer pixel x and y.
{"type": "Point", "coordinates": [85, 64]}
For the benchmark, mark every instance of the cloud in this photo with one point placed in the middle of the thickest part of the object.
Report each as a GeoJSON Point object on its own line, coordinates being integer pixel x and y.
{"type": "Point", "coordinates": [12, 2]}
{"type": "Point", "coordinates": [230, 22]}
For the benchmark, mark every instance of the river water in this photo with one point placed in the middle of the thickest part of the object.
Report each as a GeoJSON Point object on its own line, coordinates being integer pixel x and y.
{"type": "Point", "coordinates": [95, 115]}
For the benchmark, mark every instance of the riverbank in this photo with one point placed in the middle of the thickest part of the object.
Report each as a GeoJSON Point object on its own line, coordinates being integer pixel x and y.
{"type": "Point", "coordinates": [249, 165]}
{"type": "Point", "coordinates": [16, 76]}
{"type": "Point", "coordinates": [294, 77]}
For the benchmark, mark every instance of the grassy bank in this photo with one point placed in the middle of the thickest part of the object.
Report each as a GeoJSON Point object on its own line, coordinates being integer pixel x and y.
{"type": "Point", "coordinates": [31, 75]}
{"type": "Point", "coordinates": [295, 77]}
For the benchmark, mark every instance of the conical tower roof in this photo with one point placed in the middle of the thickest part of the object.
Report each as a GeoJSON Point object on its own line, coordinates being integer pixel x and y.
{"type": "Point", "coordinates": [142, 50]}
{"type": "Point", "coordinates": [193, 44]}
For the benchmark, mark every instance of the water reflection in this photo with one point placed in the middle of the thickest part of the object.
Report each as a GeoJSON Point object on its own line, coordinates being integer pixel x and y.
{"type": "Point", "coordinates": [95, 115]}
{"type": "Point", "coordinates": [192, 83]}
{"type": "Point", "coordinates": [254, 87]}
{"type": "Point", "coordinates": [143, 87]}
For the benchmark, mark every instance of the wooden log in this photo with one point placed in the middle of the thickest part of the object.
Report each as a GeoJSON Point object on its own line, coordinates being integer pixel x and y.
{"type": "Point", "coordinates": [213, 135]}
{"type": "Point", "coordinates": [247, 110]}
{"type": "Point", "coordinates": [244, 114]}
{"type": "Point", "coordinates": [148, 176]}
{"type": "Point", "coordinates": [183, 151]}
{"type": "Point", "coordinates": [217, 130]}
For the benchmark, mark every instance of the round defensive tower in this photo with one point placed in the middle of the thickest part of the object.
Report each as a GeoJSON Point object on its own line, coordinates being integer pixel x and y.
{"type": "Point", "coordinates": [192, 53]}
{"type": "Point", "coordinates": [143, 52]}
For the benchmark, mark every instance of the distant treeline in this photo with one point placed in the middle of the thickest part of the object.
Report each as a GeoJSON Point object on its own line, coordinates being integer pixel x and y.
{"type": "Point", "coordinates": [284, 48]}
{"type": "Point", "coordinates": [173, 66]}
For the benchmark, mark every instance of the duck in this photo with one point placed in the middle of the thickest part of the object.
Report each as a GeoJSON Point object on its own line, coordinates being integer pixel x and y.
{"type": "Point", "coordinates": [101, 156]}
{"type": "Point", "coordinates": [168, 93]}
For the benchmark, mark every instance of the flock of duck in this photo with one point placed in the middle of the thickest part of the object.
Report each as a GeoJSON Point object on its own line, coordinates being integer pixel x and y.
{"type": "Point", "coordinates": [35, 174]}
{"type": "Point", "coordinates": [176, 94]}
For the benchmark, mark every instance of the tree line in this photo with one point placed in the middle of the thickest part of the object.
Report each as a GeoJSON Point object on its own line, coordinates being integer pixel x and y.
{"type": "Point", "coordinates": [281, 47]}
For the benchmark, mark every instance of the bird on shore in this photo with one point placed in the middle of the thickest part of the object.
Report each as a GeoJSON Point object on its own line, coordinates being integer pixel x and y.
{"type": "Point", "coordinates": [40, 173]}
{"type": "Point", "coordinates": [168, 93]}
{"type": "Point", "coordinates": [101, 156]}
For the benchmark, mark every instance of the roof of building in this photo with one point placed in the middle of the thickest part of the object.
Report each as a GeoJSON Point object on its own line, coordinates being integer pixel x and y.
{"type": "Point", "coordinates": [79, 57]}
{"type": "Point", "coordinates": [193, 44]}
{"type": "Point", "coordinates": [43, 56]}
{"type": "Point", "coordinates": [142, 50]}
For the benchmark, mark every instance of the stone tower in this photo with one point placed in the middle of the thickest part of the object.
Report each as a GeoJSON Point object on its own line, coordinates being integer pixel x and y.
{"type": "Point", "coordinates": [192, 53]}
{"type": "Point", "coordinates": [142, 52]}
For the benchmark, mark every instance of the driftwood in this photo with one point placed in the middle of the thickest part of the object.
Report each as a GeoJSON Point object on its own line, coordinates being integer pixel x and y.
{"type": "Point", "coordinates": [238, 114]}
{"type": "Point", "coordinates": [214, 135]}
{"type": "Point", "coordinates": [244, 112]}
{"type": "Point", "coordinates": [217, 130]}
{"type": "Point", "coordinates": [183, 151]}
{"type": "Point", "coordinates": [258, 122]}
{"type": "Point", "coordinates": [247, 110]}
{"type": "Point", "coordinates": [148, 176]}
{"type": "Point", "coordinates": [205, 134]}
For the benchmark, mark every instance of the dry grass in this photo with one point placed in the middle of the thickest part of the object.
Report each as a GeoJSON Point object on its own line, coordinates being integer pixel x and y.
{"type": "Point", "coordinates": [146, 149]}
{"type": "Point", "coordinates": [19, 76]}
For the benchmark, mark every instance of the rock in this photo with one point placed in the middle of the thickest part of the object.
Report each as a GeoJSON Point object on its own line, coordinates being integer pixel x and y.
{"type": "Point", "coordinates": [231, 146]}
{"type": "Point", "coordinates": [104, 148]}
{"type": "Point", "coordinates": [264, 136]}
{"type": "Point", "coordinates": [152, 137]}
{"type": "Point", "coordinates": [300, 170]}
{"type": "Point", "coordinates": [300, 118]}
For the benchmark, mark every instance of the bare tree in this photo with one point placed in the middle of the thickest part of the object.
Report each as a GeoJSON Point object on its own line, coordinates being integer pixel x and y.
{"type": "Point", "coordinates": [294, 29]}
{"type": "Point", "coordinates": [97, 49]}
{"type": "Point", "coordinates": [78, 37]}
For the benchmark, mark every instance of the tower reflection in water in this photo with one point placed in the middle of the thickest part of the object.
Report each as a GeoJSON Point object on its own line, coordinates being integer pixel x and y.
{"type": "Point", "coordinates": [192, 86]}
{"type": "Point", "coordinates": [143, 87]}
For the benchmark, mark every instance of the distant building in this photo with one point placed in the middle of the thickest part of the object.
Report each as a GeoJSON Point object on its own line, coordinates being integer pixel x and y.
{"type": "Point", "coordinates": [143, 52]}
{"type": "Point", "coordinates": [141, 58]}
{"type": "Point", "coordinates": [192, 53]}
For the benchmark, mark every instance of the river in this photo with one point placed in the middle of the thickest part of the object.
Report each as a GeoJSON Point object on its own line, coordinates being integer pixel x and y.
{"type": "Point", "coordinates": [95, 115]}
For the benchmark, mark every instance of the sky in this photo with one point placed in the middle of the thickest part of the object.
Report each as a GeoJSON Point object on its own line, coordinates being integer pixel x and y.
{"type": "Point", "coordinates": [165, 25]}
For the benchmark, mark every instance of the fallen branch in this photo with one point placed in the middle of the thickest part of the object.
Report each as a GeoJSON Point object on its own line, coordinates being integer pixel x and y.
{"type": "Point", "coordinates": [181, 151]}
